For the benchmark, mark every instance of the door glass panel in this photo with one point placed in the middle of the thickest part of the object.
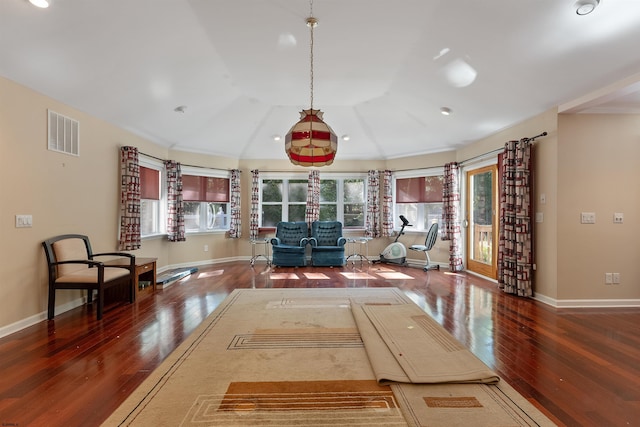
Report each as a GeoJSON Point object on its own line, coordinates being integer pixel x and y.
{"type": "Point", "coordinates": [481, 218]}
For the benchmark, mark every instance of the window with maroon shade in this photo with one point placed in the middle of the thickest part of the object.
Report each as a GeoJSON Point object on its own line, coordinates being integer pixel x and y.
{"type": "Point", "coordinates": [150, 195]}
{"type": "Point", "coordinates": [419, 199]}
{"type": "Point", "coordinates": [206, 202]}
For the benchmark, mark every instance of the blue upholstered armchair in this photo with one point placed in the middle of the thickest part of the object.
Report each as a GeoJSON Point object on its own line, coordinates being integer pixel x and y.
{"type": "Point", "coordinates": [289, 245]}
{"type": "Point", "coordinates": [327, 243]}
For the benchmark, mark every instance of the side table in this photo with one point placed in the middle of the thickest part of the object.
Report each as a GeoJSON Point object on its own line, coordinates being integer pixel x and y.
{"type": "Point", "coordinates": [363, 241]}
{"type": "Point", "coordinates": [145, 277]}
{"type": "Point", "coordinates": [265, 250]}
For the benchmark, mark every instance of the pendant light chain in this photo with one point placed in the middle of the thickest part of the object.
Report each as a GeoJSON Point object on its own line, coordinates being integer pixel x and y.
{"type": "Point", "coordinates": [312, 23]}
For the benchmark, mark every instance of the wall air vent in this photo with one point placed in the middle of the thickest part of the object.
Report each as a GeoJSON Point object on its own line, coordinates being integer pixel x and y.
{"type": "Point", "coordinates": [64, 134]}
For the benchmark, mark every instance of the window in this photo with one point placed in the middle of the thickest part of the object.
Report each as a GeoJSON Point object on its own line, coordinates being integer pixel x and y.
{"type": "Point", "coordinates": [150, 199]}
{"type": "Point", "coordinates": [341, 199]}
{"type": "Point", "coordinates": [206, 202]}
{"type": "Point", "coordinates": [419, 199]}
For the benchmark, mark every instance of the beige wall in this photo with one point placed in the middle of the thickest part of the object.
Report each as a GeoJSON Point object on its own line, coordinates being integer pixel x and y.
{"type": "Point", "coordinates": [64, 194]}
{"type": "Point", "coordinates": [599, 172]}
{"type": "Point", "coordinates": [67, 194]}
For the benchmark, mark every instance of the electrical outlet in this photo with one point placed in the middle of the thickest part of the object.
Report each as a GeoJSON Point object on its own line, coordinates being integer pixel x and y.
{"type": "Point", "coordinates": [588, 218]}
{"type": "Point", "coordinates": [616, 278]}
{"type": "Point", "coordinates": [608, 278]}
{"type": "Point", "coordinates": [618, 218]}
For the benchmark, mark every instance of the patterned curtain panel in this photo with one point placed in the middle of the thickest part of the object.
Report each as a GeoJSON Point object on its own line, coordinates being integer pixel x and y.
{"type": "Point", "coordinates": [312, 211]}
{"type": "Point", "coordinates": [451, 214]}
{"type": "Point", "coordinates": [175, 204]}
{"type": "Point", "coordinates": [515, 250]}
{"type": "Point", "coordinates": [372, 220]}
{"type": "Point", "coordinates": [387, 204]}
{"type": "Point", "coordinates": [236, 223]}
{"type": "Point", "coordinates": [129, 199]}
{"type": "Point", "coordinates": [254, 218]}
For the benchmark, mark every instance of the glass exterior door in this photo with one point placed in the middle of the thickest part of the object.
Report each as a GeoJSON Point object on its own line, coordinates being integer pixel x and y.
{"type": "Point", "coordinates": [481, 220]}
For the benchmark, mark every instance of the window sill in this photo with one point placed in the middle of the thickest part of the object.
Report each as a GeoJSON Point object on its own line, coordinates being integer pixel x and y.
{"type": "Point", "coordinates": [198, 233]}
{"type": "Point", "coordinates": [153, 236]}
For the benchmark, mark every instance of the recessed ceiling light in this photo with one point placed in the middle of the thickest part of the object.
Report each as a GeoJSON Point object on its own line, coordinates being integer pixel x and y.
{"type": "Point", "coordinates": [445, 111]}
{"type": "Point", "coordinates": [276, 137]}
{"type": "Point", "coordinates": [41, 3]}
{"type": "Point", "coordinates": [585, 7]}
{"type": "Point", "coordinates": [346, 137]}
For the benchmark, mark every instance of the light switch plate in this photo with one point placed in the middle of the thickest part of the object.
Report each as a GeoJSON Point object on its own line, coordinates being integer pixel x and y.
{"type": "Point", "coordinates": [24, 221]}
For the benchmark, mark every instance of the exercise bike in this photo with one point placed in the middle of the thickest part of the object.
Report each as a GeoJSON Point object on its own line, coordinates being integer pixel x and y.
{"type": "Point", "coordinates": [396, 252]}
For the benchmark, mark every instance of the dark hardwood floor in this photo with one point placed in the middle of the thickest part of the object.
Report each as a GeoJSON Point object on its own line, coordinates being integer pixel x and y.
{"type": "Point", "coordinates": [580, 366]}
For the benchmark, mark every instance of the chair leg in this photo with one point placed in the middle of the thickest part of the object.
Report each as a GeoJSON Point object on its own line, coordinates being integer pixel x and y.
{"type": "Point", "coordinates": [132, 291]}
{"type": "Point", "coordinates": [428, 266]}
{"type": "Point", "coordinates": [100, 302]}
{"type": "Point", "coordinates": [52, 303]}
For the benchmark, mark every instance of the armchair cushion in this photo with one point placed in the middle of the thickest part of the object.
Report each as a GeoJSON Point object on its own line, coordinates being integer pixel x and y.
{"type": "Point", "coordinates": [327, 243]}
{"type": "Point", "coordinates": [289, 245]}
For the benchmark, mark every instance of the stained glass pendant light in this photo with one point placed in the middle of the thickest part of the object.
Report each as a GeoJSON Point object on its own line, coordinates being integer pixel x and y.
{"type": "Point", "coordinates": [311, 142]}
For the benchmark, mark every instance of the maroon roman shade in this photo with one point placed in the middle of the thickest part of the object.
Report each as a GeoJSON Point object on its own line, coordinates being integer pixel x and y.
{"type": "Point", "coordinates": [149, 183]}
{"type": "Point", "coordinates": [423, 189]}
{"type": "Point", "coordinates": [205, 189]}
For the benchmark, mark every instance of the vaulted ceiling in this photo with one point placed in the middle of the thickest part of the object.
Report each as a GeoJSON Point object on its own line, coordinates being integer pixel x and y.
{"type": "Point", "coordinates": [382, 69]}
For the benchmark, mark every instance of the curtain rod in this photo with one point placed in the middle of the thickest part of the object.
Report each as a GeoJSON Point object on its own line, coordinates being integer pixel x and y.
{"type": "Point", "coordinates": [184, 164]}
{"type": "Point", "coordinates": [497, 150]}
{"type": "Point", "coordinates": [303, 171]}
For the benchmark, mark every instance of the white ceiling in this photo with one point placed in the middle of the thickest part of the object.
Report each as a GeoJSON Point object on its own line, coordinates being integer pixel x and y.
{"type": "Point", "coordinates": [383, 69]}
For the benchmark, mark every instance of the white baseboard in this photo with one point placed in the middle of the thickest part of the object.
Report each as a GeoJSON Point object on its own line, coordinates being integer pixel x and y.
{"type": "Point", "coordinates": [37, 318]}
{"type": "Point", "coordinates": [596, 303]}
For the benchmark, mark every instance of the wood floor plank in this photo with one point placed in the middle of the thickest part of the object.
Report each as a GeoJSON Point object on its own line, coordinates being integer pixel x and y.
{"type": "Point", "coordinates": [580, 366]}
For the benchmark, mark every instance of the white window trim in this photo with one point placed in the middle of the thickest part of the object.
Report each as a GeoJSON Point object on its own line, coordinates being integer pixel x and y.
{"type": "Point", "coordinates": [151, 163]}
{"type": "Point", "coordinates": [212, 173]}
{"type": "Point", "coordinates": [340, 176]}
{"type": "Point", "coordinates": [414, 173]}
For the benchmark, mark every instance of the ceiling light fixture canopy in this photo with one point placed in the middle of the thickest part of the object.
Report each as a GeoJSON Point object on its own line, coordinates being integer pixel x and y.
{"type": "Point", "coordinates": [43, 4]}
{"type": "Point", "coordinates": [311, 142]}
{"type": "Point", "coordinates": [585, 7]}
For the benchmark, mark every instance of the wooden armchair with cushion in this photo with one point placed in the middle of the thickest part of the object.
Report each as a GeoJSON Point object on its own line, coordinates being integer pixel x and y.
{"type": "Point", "coordinates": [72, 265]}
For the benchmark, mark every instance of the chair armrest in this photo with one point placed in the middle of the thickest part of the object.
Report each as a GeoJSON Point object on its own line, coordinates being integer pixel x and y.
{"type": "Point", "coordinates": [132, 258]}
{"type": "Point", "coordinates": [88, 262]}
{"type": "Point", "coordinates": [313, 242]}
{"type": "Point", "coordinates": [304, 241]}
{"type": "Point", "coordinates": [275, 241]}
{"type": "Point", "coordinates": [341, 241]}
{"type": "Point", "coordinates": [121, 254]}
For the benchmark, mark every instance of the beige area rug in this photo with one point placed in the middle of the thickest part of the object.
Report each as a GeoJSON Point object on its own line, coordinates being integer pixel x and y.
{"type": "Point", "coordinates": [285, 357]}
